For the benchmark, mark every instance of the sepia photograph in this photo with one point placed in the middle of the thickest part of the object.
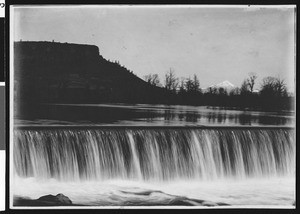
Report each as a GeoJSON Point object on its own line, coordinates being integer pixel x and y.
{"type": "Point", "coordinates": [152, 106]}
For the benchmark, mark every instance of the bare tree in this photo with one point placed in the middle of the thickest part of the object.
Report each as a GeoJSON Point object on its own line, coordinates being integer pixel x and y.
{"type": "Point", "coordinates": [280, 87]}
{"type": "Point", "coordinates": [152, 79]}
{"type": "Point", "coordinates": [171, 82]}
{"type": "Point", "coordinates": [272, 86]}
{"type": "Point", "coordinates": [251, 80]}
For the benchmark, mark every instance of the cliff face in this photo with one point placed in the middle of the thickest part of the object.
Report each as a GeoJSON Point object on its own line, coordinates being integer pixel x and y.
{"type": "Point", "coordinates": [50, 72]}
{"type": "Point", "coordinates": [51, 58]}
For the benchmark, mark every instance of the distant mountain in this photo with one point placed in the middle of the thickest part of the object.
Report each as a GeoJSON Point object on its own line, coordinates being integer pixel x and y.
{"type": "Point", "coordinates": [225, 84]}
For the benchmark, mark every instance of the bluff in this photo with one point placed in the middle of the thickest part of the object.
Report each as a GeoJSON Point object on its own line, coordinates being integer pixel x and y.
{"type": "Point", "coordinates": [52, 72]}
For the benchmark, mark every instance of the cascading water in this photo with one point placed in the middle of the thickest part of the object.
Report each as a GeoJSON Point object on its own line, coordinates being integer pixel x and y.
{"type": "Point", "coordinates": [153, 154]}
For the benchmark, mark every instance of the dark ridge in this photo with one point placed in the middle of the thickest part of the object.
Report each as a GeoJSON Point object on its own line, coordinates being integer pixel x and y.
{"type": "Point", "coordinates": [52, 72]}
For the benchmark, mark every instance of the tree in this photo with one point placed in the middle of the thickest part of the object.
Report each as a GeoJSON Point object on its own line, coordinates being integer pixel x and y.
{"type": "Point", "coordinates": [195, 84]}
{"type": "Point", "coordinates": [212, 91]}
{"type": "Point", "coordinates": [222, 91]}
{"type": "Point", "coordinates": [245, 88]}
{"type": "Point", "coordinates": [234, 91]}
{"type": "Point", "coordinates": [189, 84]}
{"type": "Point", "coordinates": [267, 86]}
{"type": "Point", "coordinates": [251, 80]}
{"type": "Point", "coordinates": [171, 82]}
{"type": "Point", "coordinates": [272, 86]}
{"type": "Point", "coordinates": [274, 93]}
{"type": "Point", "coordinates": [182, 85]}
{"type": "Point", "coordinates": [152, 79]}
{"type": "Point", "coordinates": [280, 88]}
{"type": "Point", "coordinates": [192, 85]}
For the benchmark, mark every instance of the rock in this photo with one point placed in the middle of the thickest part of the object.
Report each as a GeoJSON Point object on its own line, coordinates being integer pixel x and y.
{"type": "Point", "coordinates": [47, 200]}
{"type": "Point", "coordinates": [59, 199]}
{"type": "Point", "coordinates": [64, 199]}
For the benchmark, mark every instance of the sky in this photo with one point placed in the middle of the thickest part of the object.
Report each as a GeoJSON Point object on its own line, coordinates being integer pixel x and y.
{"type": "Point", "coordinates": [215, 43]}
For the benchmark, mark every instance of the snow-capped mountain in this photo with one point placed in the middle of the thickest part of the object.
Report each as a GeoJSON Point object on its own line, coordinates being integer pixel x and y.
{"type": "Point", "coordinates": [226, 85]}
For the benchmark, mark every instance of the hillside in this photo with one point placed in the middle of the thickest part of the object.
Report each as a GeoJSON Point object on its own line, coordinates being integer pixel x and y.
{"type": "Point", "coordinates": [51, 72]}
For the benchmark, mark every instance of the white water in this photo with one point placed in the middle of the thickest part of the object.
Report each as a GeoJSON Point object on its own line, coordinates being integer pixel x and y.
{"type": "Point", "coordinates": [111, 167]}
{"type": "Point", "coordinates": [250, 192]}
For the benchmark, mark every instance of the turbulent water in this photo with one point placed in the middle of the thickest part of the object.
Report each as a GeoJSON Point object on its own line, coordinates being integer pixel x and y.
{"type": "Point", "coordinates": [208, 160]}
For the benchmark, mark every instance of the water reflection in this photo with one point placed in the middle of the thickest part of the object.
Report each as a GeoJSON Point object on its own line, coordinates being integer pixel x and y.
{"type": "Point", "coordinates": [152, 115]}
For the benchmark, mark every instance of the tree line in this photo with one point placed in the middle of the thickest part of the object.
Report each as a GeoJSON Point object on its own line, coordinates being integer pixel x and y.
{"type": "Point", "coordinates": [272, 93]}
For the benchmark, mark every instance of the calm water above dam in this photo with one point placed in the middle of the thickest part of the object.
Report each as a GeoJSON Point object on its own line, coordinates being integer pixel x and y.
{"type": "Point", "coordinates": [151, 115]}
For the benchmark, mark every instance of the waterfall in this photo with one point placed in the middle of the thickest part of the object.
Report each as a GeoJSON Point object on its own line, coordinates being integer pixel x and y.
{"type": "Point", "coordinates": [153, 154]}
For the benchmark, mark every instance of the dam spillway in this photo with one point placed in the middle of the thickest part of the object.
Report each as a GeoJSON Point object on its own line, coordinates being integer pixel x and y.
{"type": "Point", "coordinates": [153, 153]}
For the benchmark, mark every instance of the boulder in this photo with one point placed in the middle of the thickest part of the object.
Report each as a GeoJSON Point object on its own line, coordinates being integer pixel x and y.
{"type": "Point", "coordinates": [59, 199]}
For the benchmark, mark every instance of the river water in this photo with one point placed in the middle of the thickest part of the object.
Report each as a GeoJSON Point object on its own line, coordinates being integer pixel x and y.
{"type": "Point", "coordinates": [157, 156]}
{"type": "Point", "coordinates": [148, 115]}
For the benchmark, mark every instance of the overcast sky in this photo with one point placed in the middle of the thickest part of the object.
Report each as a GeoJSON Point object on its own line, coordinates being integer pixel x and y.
{"type": "Point", "coordinates": [217, 44]}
